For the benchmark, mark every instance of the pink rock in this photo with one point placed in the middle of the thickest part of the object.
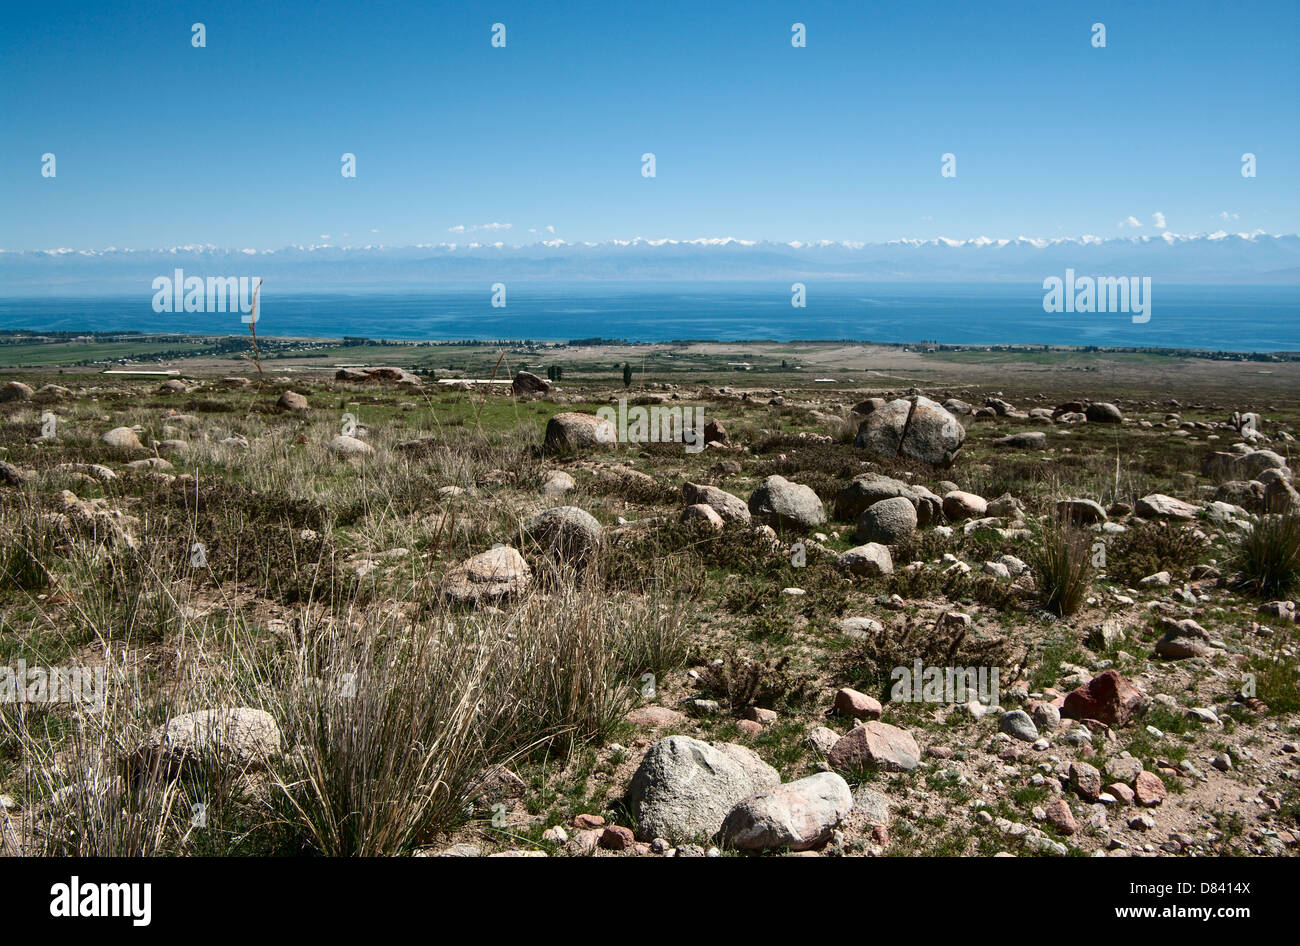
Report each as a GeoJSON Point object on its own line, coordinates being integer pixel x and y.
{"type": "Point", "coordinates": [1149, 790]}
{"type": "Point", "coordinates": [655, 716]}
{"type": "Point", "coordinates": [588, 821]}
{"type": "Point", "coordinates": [749, 727]}
{"type": "Point", "coordinates": [1086, 780]}
{"type": "Point", "coordinates": [616, 838]}
{"type": "Point", "coordinates": [1060, 816]}
{"type": "Point", "coordinates": [858, 705]}
{"type": "Point", "coordinates": [1107, 697]}
{"type": "Point", "coordinates": [1121, 791]}
{"type": "Point", "coordinates": [585, 842]}
{"type": "Point", "coordinates": [703, 513]}
{"type": "Point", "coordinates": [876, 743]}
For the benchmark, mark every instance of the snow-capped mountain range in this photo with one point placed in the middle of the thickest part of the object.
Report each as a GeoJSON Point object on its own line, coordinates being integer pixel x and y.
{"type": "Point", "coordinates": [1221, 257]}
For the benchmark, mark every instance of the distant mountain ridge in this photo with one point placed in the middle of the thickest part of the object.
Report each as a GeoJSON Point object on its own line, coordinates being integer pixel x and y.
{"type": "Point", "coordinates": [1245, 258]}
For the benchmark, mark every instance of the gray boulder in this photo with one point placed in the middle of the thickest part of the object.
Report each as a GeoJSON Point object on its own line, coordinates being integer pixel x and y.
{"type": "Point", "coordinates": [1257, 461]}
{"type": "Point", "coordinates": [572, 431]}
{"type": "Point", "coordinates": [867, 489]}
{"type": "Point", "coordinates": [1083, 512]}
{"type": "Point", "coordinates": [888, 522]}
{"type": "Point", "coordinates": [1182, 639]}
{"type": "Point", "coordinates": [1101, 412]}
{"type": "Point", "coordinates": [783, 504]}
{"type": "Point", "coordinates": [795, 816]}
{"type": "Point", "coordinates": [1281, 497]}
{"type": "Point", "coordinates": [868, 560]}
{"type": "Point", "coordinates": [489, 576]}
{"type": "Point", "coordinates": [122, 438]}
{"type": "Point", "coordinates": [684, 788]}
{"type": "Point", "coordinates": [239, 737]}
{"type": "Point", "coordinates": [914, 427]}
{"type": "Point", "coordinates": [1026, 440]}
{"type": "Point", "coordinates": [15, 391]}
{"type": "Point", "coordinates": [526, 383]}
{"type": "Point", "coordinates": [1160, 506]}
{"type": "Point", "coordinates": [730, 508]}
{"type": "Point", "coordinates": [570, 534]}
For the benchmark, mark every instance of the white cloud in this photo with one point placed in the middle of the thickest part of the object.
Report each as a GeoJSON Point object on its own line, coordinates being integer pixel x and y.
{"type": "Point", "coordinates": [462, 228]}
{"type": "Point", "coordinates": [1130, 221]}
{"type": "Point", "coordinates": [1224, 215]}
{"type": "Point", "coordinates": [1159, 218]}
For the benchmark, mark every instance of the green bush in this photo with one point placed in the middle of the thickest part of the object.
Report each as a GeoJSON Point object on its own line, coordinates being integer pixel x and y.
{"type": "Point", "coordinates": [1150, 547]}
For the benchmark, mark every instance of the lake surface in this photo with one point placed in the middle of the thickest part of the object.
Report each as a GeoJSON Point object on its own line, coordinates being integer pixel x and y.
{"type": "Point", "coordinates": [1227, 318]}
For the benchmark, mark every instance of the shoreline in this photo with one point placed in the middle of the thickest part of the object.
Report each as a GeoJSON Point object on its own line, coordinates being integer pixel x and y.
{"type": "Point", "coordinates": [36, 337]}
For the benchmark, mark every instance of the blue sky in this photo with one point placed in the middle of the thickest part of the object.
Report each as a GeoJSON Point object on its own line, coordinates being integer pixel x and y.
{"type": "Point", "coordinates": [238, 144]}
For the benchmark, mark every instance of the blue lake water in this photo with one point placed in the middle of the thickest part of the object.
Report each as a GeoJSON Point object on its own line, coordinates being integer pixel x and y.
{"type": "Point", "coordinates": [1228, 318]}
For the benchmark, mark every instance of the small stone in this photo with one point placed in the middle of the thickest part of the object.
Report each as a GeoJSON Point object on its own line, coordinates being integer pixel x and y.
{"type": "Point", "coordinates": [615, 837]}
{"type": "Point", "coordinates": [1148, 789]}
{"type": "Point", "coordinates": [1046, 716]}
{"type": "Point", "coordinates": [1086, 780]}
{"type": "Point", "coordinates": [1060, 816]}
{"type": "Point", "coordinates": [858, 705]}
{"type": "Point", "coordinates": [1018, 725]}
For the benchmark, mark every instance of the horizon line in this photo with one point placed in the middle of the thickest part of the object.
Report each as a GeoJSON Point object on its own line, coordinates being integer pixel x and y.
{"type": "Point", "coordinates": [1167, 237]}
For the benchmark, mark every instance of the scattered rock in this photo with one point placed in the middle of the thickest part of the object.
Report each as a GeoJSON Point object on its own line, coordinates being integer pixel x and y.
{"type": "Point", "coordinates": [557, 483]}
{"type": "Point", "coordinates": [858, 705]}
{"type": "Point", "coordinates": [572, 431]}
{"type": "Point", "coordinates": [887, 522]}
{"type": "Point", "coordinates": [784, 504]}
{"type": "Point", "coordinates": [291, 401]}
{"type": "Point", "coordinates": [1083, 512]}
{"type": "Point", "coordinates": [1160, 506]}
{"type": "Point", "coordinates": [1060, 816]}
{"type": "Point", "coordinates": [1101, 412]}
{"type": "Point", "coordinates": [914, 427]}
{"type": "Point", "coordinates": [345, 446]}
{"type": "Point", "coordinates": [570, 534]}
{"type": "Point", "coordinates": [1085, 780]}
{"type": "Point", "coordinates": [655, 716]}
{"type": "Point", "coordinates": [685, 788]}
{"type": "Point", "coordinates": [1148, 789]}
{"type": "Point", "coordinates": [795, 816]}
{"type": "Point", "coordinates": [1018, 725]}
{"type": "Point", "coordinates": [699, 512]}
{"type": "Point", "coordinates": [876, 744]}
{"type": "Point", "coordinates": [525, 383]}
{"type": "Point", "coordinates": [487, 577]}
{"type": "Point", "coordinates": [238, 737]}
{"type": "Point", "coordinates": [868, 560]}
{"type": "Point", "coordinates": [122, 438]}
{"type": "Point", "coordinates": [1107, 698]}
{"type": "Point", "coordinates": [15, 391]}
{"type": "Point", "coordinates": [1182, 639]}
{"type": "Point", "coordinates": [730, 508]}
{"type": "Point", "coordinates": [1025, 440]}
{"type": "Point", "coordinates": [958, 505]}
